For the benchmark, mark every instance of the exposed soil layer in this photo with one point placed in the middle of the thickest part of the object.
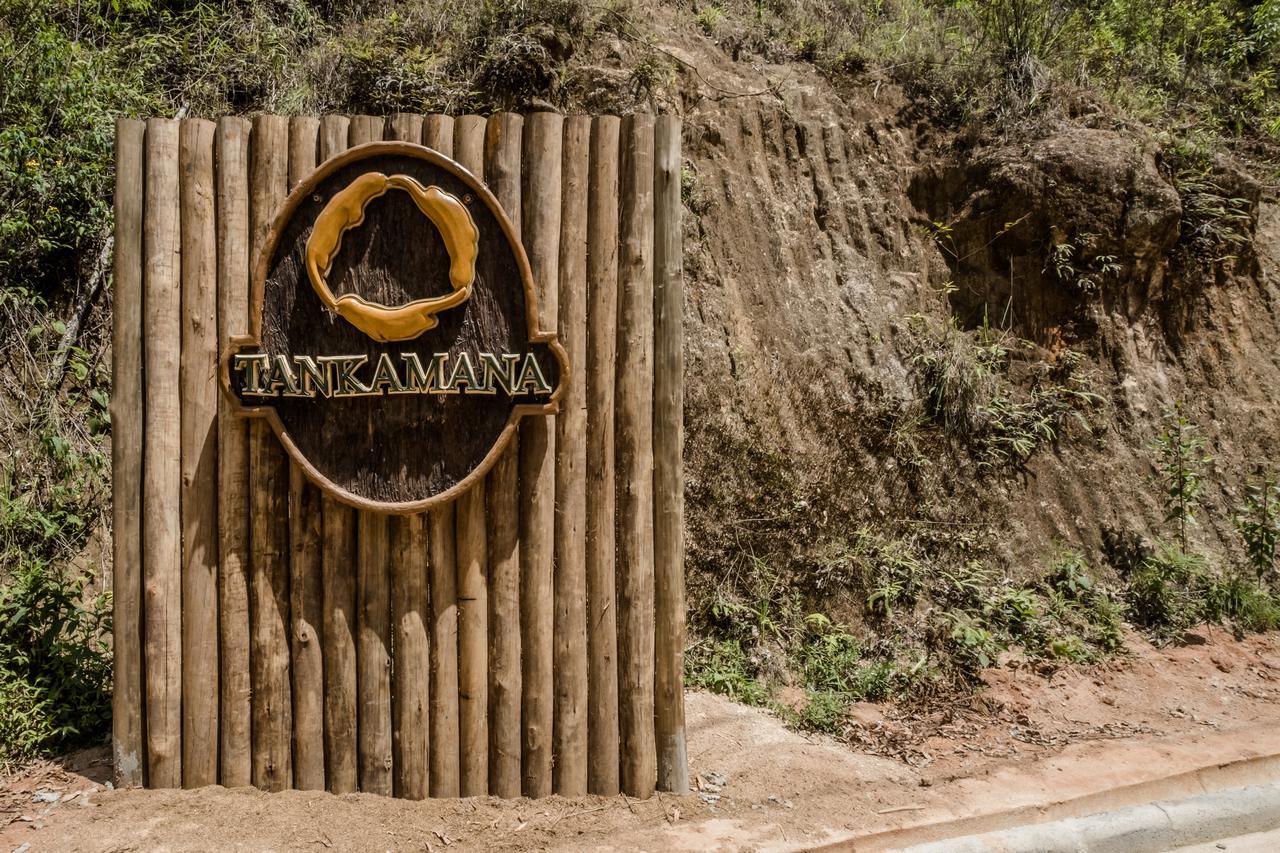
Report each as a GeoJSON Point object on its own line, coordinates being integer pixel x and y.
{"type": "Point", "coordinates": [1027, 738]}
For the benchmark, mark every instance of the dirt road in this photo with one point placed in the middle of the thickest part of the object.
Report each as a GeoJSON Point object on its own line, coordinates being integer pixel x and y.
{"type": "Point", "coordinates": [1026, 739]}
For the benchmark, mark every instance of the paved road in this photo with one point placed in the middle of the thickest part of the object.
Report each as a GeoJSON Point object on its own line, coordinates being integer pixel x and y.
{"type": "Point", "coordinates": [1257, 842]}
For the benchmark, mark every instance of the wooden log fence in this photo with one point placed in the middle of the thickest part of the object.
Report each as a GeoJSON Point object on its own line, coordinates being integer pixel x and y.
{"type": "Point", "coordinates": [525, 639]}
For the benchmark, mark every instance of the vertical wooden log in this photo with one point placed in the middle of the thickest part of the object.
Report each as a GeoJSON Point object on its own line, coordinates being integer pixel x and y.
{"type": "Point", "coordinates": [668, 460]}
{"type": "Point", "coordinates": [365, 129]}
{"type": "Point", "coordinates": [337, 555]}
{"type": "Point", "coordinates": [438, 133]}
{"type": "Point", "coordinates": [269, 510]}
{"type": "Point", "coordinates": [306, 601]}
{"type": "Point", "coordinates": [162, 475]}
{"type": "Point", "coordinates": [502, 508]}
{"type": "Point", "coordinates": [473, 568]}
{"type": "Point", "coordinates": [126, 456]}
{"type": "Point", "coordinates": [373, 653]}
{"type": "Point", "coordinates": [602, 316]}
{"type": "Point", "coordinates": [468, 143]}
{"type": "Point", "coordinates": [406, 127]}
{"type": "Point", "coordinates": [411, 664]}
{"type": "Point", "coordinates": [634, 452]}
{"type": "Point", "coordinates": [334, 132]}
{"type": "Point", "coordinates": [444, 654]}
{"type": "Point", "coordinates": [233, 459]}
{"type": "Point", "coordinates": [306, 609]}
{"type": "Point", "coordinates": [541, 228]}
{"type": "Point", "coordinates": [339, 588]}
{"type": "Point", "coordinates": [373, 649]}
{"type": "Point", "coordinates": [199, 372]}
{"type": "Point", "coordinates": [570, 741]}
{"type": "Point", "coordinates": [473, 639]}
{"type": "Point", "coordinates": [304, 142]}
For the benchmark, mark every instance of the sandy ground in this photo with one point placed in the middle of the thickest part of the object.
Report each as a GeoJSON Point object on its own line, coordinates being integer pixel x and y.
{"type": "Point", "coordinates": [1028, 738]}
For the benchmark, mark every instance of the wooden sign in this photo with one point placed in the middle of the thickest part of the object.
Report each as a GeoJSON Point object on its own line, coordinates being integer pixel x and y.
{"type": "Point", "coordinates": [394, 340]}
{"type": "Point", "coordinates": [375, 318]}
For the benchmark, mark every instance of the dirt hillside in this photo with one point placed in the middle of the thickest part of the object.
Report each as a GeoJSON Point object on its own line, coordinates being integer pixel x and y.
{"type": "Point", "coordinates": [832, 236]}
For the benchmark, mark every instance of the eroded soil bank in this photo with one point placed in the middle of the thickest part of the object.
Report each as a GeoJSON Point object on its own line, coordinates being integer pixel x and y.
{"type": "Point", "coordinates": [1026, 739]}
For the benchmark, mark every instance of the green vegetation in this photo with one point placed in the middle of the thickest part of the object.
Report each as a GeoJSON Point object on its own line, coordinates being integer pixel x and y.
{"type": "Point", "coordinates": [55, 665]}
{"type": "Point", "coordinates": [919, 621]}
{"type": "Point", "coordinates": [1258, 522]}
{"type": "Point", "coordinates": [1203, 64]}
{"type": "Point", "coordinates": [54, 662]}
{"type": "Point", "coordinates": [921, 633]}
{"type": "Point", "coordinates": [1180, 463]}
{"type": "Point", "coordinates": [963, 378]}
{"type": "Point", "coordinates": [1172, 591]}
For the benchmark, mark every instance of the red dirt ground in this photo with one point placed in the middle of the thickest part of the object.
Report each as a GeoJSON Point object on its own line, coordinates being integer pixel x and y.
{"type": "Point", "coordinates": [1027, 738]}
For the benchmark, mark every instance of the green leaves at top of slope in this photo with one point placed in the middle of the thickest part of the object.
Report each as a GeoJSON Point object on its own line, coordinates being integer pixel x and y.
{"type": "Point", "coordinates": [66, 71]}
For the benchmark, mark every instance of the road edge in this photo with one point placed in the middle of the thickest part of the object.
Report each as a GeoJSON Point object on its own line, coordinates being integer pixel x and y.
{"type": "Point", "coordinates": [1260, 771]}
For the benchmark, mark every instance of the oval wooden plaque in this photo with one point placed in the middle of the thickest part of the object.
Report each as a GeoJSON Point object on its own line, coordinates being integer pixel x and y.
{"type": "Point", "coordinates": [393, 340]}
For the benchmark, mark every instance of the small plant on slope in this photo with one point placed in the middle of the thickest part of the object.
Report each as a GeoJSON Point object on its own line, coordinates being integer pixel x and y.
{"type": "Point", "coordinates": [1258, 521]}
{"type": "Point", "coordinates": [1180, 463]}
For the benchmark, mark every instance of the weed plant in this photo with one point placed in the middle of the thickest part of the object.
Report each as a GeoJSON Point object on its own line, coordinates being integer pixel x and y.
{"type": "Point", "coordinates": [966, 391]}
{"type": "Point", "coordinates": [1257, 520]}
{"type": "Point", "coordinates": [55, 664]}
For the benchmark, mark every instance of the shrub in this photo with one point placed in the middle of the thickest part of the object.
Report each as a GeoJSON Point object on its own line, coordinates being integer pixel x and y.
{"type": "Point", "coordinates": [829, 656]}
{"type": "Point", "coordinates": [1180, 464]}
{"type": "Point", "coordinates": [64, 84]}
{"type": "Point", "coordinates": [1241, 602]}
{"type": "Point", "coordinates": [824, 711]}
{"type": "Point", "coordinates": [1165, 593]}
{"type": "Point", "coordinates": [55, 663]}
{"type": "Point", "coordinates": [1076, 601]}
{"type": "Point", "coordinates": [963, 379]}
{"type": "Point", "coordinates": [722, 667]}
{"type": "Point", "coordinates": [1257, 520]}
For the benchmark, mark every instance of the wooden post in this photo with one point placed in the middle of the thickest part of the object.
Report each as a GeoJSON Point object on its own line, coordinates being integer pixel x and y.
{"type": "Point", "coordinates": [406, 127]}
{"type": "Point", "coordinates": [373, 649]}
{"type": "Point", "coordinates": [373, 653]}
{"type": "Point", "coordinates": [334, 132]}
{"type": "Point", "coordinates": [199, 370]}
{"type": "Point", "coordinates": [634, 454]}
{"type": "Point", "coordinates": [233, 459]}
{"type": "Point", "coordinates": [162, 474]}
{"type": "Point", "coordinates": [410, 608]}
{"type": "Point", "coordinates": [541, 229]}
{"type": "Point", "coordinates": [468, 144]}
{"type": "Point", "coordinates": [444, 654]}
{"type": "Point", "coordinates": [337, 554]}
{"type": "Point", "coordinates": [602, 317]}
{"type": "Point", "coordinates": [338, 571]}
{"type": "Point", "coordinates": [438, 133]}
{"type": "Point", "coordinates": [668, 460]}
{"type": "Point", "coordinates": [473, 639]}
{"type": "Point", "coordinates": [412, 662]}
{"type": "Point", "coordinates": [443, 750]}
{"type": "Point", "coordinates": [365, 129]}
{"type": "Point", "coordinates": [269, 511]}
{"type": "Point", "coordinates": [126, 456]}
{"type": "Point", "coordinates": [306, 607]}
{"type": "Point", "coordinates": [502, 506]}
{"type": "Point", "coordinates": [570, 741]}
{"type": "Point", "coordinates": [473, 566]}
{"type": "Point", "coordinates": [306, 601]}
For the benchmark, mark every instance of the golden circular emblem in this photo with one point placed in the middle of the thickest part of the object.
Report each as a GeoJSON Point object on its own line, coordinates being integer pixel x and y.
{"type": "Point", "coordinates": [346, 211]}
